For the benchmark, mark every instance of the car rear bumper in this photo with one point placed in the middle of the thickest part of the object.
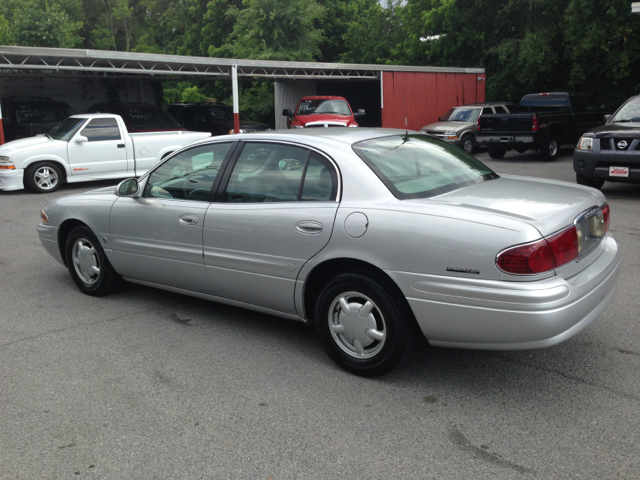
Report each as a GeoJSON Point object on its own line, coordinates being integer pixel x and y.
{"type": "Point", "coordinates": [49, 239]}
{"type": "Point", "coordinates": [497, 315]}
{"type": "Point", "coordinates": [11, 179]}
{"type": "Point", "coordinates": [596, 165]}
{"type": "Point", "coordinates": [507, 141]}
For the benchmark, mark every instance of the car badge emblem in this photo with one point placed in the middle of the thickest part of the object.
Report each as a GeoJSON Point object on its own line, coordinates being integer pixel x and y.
{"type": "Point", "coordinates": [622, 144]}
{"type": "Point", "coordinates": [463, 270]}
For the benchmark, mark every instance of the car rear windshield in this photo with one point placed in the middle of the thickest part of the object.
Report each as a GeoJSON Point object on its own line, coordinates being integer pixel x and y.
{"type": "Point", "coordinates": [326, 106]}
{"type": "Point", "coordinates": [420, 166]}
{"type": "Point", "coordinates": [543, 102]}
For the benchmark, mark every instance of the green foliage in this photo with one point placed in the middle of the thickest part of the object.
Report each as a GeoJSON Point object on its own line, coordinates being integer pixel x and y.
{"type": "Point", "coordinates": [37, 24]}
{"type": "Point", "coordinates": [371, 36]}
{"type": "Point", "coordinates": [6, 33]}
{"type": "Point", "coordinates": [192, 95]}
{"type": "Point", "coordinates": [275, 30]}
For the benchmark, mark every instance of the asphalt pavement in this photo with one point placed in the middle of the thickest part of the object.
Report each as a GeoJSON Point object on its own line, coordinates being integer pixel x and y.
{"type": "Point", "coordinates": [145, 384]}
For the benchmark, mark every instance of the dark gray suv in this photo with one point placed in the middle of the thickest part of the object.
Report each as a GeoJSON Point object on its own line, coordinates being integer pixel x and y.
{"type": "Point", "coordinates": [213, 118]}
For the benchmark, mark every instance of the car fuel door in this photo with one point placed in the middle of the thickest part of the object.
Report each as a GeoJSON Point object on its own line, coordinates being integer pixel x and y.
{"type": "Point", "coordinates": [275, 213]}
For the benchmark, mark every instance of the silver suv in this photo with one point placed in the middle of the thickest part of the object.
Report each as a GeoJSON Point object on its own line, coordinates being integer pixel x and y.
{"type": "Point", "coordinates": [460, 124]}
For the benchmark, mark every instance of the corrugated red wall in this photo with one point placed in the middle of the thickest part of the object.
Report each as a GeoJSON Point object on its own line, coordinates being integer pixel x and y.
{"type": "Point", "coordinates": [427, 96]}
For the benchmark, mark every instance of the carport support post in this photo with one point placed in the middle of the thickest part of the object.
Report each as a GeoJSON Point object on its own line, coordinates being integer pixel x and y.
{"type": "Point", "coordinates": [236, 107]}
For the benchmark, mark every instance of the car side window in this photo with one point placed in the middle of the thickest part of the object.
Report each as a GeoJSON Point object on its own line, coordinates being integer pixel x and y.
{"type": "Point", "coordinates": [487, 111]}
{"type": "Point", "coordinates": [500, 109]}
{"type": "Point", "coordinates": [188, 175]}
{"type": "Point", "coordinates": [102, 129]}
{"type": "Point", "coordinates": [271, 172]}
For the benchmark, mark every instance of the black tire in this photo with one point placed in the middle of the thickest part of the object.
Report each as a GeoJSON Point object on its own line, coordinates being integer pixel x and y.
{"type": "Point", "coordinates": [368, 346]}
{"type": "Point", "coordinates": [550, 148]}
{"type": "Point", "coordinates": [84, 256]}
{"type": "Point", "coordinates": [467, 143]}
{"type": "Point", "coordinates": [43, 177]}
{"type": "Point", "coordinates": [589, 182]}
{"type": "Point", "coordinates": [496, 152]}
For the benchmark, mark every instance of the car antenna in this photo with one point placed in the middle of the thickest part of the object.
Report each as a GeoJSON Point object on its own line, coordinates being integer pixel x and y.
{"type": "Point", "coordinates": [406, 128]}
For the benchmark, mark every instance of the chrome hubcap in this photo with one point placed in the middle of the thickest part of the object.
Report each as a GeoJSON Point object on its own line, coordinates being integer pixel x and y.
{"type": "Point", "coordinates": [357, 325]}
{"type": "Point", "coordinates": [467, 146]}
{"type": "Point", "coordinates": [85, 261]}
{"type": "Point", "coordinates": [46, 178]}
{"type": "Point", "coordinates": [553, 148]}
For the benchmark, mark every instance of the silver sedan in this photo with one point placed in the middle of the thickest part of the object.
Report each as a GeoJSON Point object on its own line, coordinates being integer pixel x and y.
{"type": "Point", "coordinates": [371, 235]}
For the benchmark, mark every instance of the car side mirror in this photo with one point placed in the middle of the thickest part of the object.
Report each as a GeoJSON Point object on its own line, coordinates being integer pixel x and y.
{"type": "Point", "coordinates": [606, 118]}
{"type": "Point", "coordinates": [127, 188]}
{"type": "Point", "coordinates": [81, 139]}
{"type": "Point", "coordinates": [439, 119]}
{"type": "Point", "coordinates": [287, 113]}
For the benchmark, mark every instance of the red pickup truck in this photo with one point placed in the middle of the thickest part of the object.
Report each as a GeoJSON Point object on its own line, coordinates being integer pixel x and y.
{"type": "Point", "coordinates": [322, 111]}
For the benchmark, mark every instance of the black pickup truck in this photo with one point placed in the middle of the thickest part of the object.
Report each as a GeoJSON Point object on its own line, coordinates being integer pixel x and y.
{"type": "Point", "coordinates": [611, 152]}
{"type": "Point", "coordinates": [543, 123]}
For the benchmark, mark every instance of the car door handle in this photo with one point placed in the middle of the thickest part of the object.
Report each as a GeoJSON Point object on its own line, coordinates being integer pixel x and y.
{"type": "Point", "coordinates": [121, 145]}
{"type": "Point", "coordinates": [188, 219]}
{"type": "Point", "coordinates": [309, 227]}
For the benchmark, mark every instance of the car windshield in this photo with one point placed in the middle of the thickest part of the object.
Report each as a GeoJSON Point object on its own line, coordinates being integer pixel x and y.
{"type": "Point", "coordinates": [42, 112]}
{"type": "Point", "coordinates": [67, 129]}
{"type": "Point", "coordinates": [420, 166]}
{"type": "Point", "coordinates": [144, 118]}
{"type": "Point", "coordinates": [308, 107]}
{"type": "Point", "coordinates": [462, 114]}
{"type": "Point", "coordinates": [629, 112]}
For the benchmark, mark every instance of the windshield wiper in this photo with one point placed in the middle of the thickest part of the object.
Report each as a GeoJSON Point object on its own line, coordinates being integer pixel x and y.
{"type": "Point", "coordinates": [626, 120]}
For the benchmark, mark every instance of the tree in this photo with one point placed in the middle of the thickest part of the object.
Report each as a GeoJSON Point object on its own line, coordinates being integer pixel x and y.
{"type": "Point", "coordinates": [41, 25]}
{"type": "Point", "coordinates": [275, 30]}
{"type": "Point", "coordinates": [373, 34]}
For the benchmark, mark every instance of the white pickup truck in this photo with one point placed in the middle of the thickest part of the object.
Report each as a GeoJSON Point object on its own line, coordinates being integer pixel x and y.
{"type": "Point", "coordinates": [85, 147]}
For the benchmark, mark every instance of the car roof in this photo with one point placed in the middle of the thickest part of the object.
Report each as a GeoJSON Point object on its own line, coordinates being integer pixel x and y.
{"type": "Point", "coordinates": [485, 104]}
{"type": "Point", "coordinates": [344, 135]}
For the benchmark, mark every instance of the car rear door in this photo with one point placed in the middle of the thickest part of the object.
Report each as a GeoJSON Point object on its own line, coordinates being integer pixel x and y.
{"type": "Point", "coordinates": [157, 237]}
{"type": "Point", "coordinates": [275, 210]}
{"type": "Point", "coordinates": [103, 153]}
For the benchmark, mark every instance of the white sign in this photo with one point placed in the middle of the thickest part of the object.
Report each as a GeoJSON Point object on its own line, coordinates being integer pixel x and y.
{"type": "Point", "coordinates": [618, 171]}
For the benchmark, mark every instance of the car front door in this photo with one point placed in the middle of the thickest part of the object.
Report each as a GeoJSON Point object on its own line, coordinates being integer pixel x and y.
{"type": "Point", "coordinates": [98, 149]}
{"type": "Point", "coordinates": [275, 210]}
{"type": "Point", "coordinates": [157, 237]}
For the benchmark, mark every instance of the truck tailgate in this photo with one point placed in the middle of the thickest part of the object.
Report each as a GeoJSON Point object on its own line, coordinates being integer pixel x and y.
{"type": "Point", "coordinates": [509, 123]}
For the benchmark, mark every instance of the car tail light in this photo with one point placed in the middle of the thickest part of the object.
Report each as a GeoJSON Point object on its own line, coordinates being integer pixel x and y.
{"type": "Point", "coordinates": [534, 124]}
{"type": "Point", "coordinates": [479, 122]}
{"type": "Point", "coordinates": [606, 213]}
{"type": "Point", "coordinates": [541, 256]}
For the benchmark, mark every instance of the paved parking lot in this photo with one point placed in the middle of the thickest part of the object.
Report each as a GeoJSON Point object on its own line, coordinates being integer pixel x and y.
{"type": "Point", "coordinates": [149, 384]}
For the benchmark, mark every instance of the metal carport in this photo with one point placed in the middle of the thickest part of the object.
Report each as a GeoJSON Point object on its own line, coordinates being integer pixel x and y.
{"type": "Point", "coordinates": [418, 93]}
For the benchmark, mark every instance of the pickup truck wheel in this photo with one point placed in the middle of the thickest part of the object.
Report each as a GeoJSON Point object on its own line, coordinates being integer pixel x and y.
{"type": "Point", "coordinates": [43, 177]}
{"type": "Point", "coordinates": [467, 144]}
{"type": "Point", "coordinates": [589, 182]}
{"type": "Point", "coordinates": [496, 152]}
{"type": "Point", "coordinates": [550, 148]}
{"type": "Point", "coordinates": [88, 265]}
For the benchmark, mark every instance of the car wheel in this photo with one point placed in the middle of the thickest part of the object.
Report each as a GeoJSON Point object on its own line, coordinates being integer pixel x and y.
{"type": "Point", "coordinates": [467, 144]}
{"type": "Point", "coordinates": [88, 265]}
{"type": "Point", "coordinates": [496, 152]}
{"type": "Point", "coordinates": [364, 329]}
{"type": "Point", "coordinates": [550, 148]}
{"type": "Point", "coordinates": [589, 182]}
{"type": "Point", "coordinates": [43, 177]}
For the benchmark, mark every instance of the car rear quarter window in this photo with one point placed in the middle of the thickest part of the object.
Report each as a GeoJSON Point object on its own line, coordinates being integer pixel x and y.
{"type": "Point", "coordinates": [500, 109]}
{"type": "Point", "coordinates": [420, 166]}
{"type": "Point", "coordinates": [102, 129]}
